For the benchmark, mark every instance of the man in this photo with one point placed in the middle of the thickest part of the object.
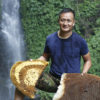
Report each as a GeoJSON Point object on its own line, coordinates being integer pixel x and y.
{"type": "Point", "coordinates": [65, 49]}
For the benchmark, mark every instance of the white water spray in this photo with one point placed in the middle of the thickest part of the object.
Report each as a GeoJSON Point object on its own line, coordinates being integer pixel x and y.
{"type": "Point", "coordinates": [11, 45]}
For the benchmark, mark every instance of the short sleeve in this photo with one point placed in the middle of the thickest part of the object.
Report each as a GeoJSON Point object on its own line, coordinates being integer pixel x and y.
{"type": "Point", "coordinates": [84, 47]}
{"type": "Point", "coordinates": [46, 48]}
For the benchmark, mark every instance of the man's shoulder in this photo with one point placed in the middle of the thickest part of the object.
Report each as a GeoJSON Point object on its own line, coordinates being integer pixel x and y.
{"type": "Point", "coordinates": [77, 36]}
{"type": "Point", "coordinates": [52, 35]}
{"type": "Point", "coordinates": [80, 41]}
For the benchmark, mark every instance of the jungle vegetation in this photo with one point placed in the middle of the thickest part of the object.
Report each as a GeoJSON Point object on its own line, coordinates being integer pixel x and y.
{"type": "Point", "coordinates": [40, 18]}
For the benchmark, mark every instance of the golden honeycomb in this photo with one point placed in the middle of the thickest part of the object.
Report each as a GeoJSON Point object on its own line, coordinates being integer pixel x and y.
{"type": "Point", "coordinates": [25, 74]}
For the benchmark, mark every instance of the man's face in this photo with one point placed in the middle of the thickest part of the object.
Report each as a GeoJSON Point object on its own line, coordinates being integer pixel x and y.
{"type": "Point", "coordinates": [66, 22]}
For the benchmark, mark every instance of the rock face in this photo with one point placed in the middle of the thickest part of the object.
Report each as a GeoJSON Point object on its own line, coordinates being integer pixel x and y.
{"type": "Point", "coordinates": [74, 86]}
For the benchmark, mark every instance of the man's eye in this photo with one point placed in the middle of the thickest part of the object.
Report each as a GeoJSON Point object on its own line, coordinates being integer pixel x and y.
{"type": "Point", "coordinates": [69, 20]}
{"type": "Point", "coordinates": [63, 20]}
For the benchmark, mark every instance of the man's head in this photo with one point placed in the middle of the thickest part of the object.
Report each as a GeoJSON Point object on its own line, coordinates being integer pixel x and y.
{"type": "Point", "coordinates": [66, 20]}
{"type": "Point", "coordinates": [67, 10]}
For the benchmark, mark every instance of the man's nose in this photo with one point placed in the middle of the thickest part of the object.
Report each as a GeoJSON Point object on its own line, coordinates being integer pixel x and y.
{"type": "Point", "coordinates": [65, 23]}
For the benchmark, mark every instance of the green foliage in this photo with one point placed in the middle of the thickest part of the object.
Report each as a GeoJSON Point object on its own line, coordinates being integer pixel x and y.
{"type": "Point", "coordinates": [88, 8]}
{"type": "Point", "coordinates": [94, 46]}
{"type": "Point", "coordinates": [40, 18]}
{"type": "Point", "coordinates": [86, 15]}
{"type": "Point", "coordinates": [98, 22]}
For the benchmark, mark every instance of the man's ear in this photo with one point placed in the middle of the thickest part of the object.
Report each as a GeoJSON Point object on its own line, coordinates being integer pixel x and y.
{"type": "Point", "coordinates": [74, 23]}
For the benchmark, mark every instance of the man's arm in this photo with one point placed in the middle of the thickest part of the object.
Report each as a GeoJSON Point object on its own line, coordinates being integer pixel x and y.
{"type": "Point", "coordinates": [87, 63]}
{"type": "Point", "coordinates": [18, 95]}
{"type": "Point", "coordinates": [44, 57]}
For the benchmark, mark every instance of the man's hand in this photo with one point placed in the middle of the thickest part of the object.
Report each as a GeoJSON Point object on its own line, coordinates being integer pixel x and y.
{"type": "Point", "coordinates": [83, 74]}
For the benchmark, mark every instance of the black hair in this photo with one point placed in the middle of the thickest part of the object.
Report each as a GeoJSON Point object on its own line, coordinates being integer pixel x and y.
{"type": "Point", "coordinates": [66, 10]}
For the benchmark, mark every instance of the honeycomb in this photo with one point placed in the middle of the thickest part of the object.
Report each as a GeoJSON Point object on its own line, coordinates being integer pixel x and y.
{"type": "Point", "coordinates": [25, 74]}
{"type": "Point", "coordinates": [74, 86]}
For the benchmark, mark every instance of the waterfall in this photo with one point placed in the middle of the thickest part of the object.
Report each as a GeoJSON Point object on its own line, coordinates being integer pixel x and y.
{"type": "Point", "coordinates": [11, 45]}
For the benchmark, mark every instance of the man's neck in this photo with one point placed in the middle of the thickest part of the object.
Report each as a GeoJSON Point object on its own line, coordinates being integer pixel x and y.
{"type": "Point", "coordinates": [64, 35]}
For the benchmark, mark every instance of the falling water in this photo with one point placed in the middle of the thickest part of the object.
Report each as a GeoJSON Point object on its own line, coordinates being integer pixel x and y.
{"type": "Point", "coordinates": [11, 45]}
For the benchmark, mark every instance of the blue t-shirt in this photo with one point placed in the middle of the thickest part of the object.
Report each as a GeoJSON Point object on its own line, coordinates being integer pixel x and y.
{"type": "Point", "coordinates": [65, 53]}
